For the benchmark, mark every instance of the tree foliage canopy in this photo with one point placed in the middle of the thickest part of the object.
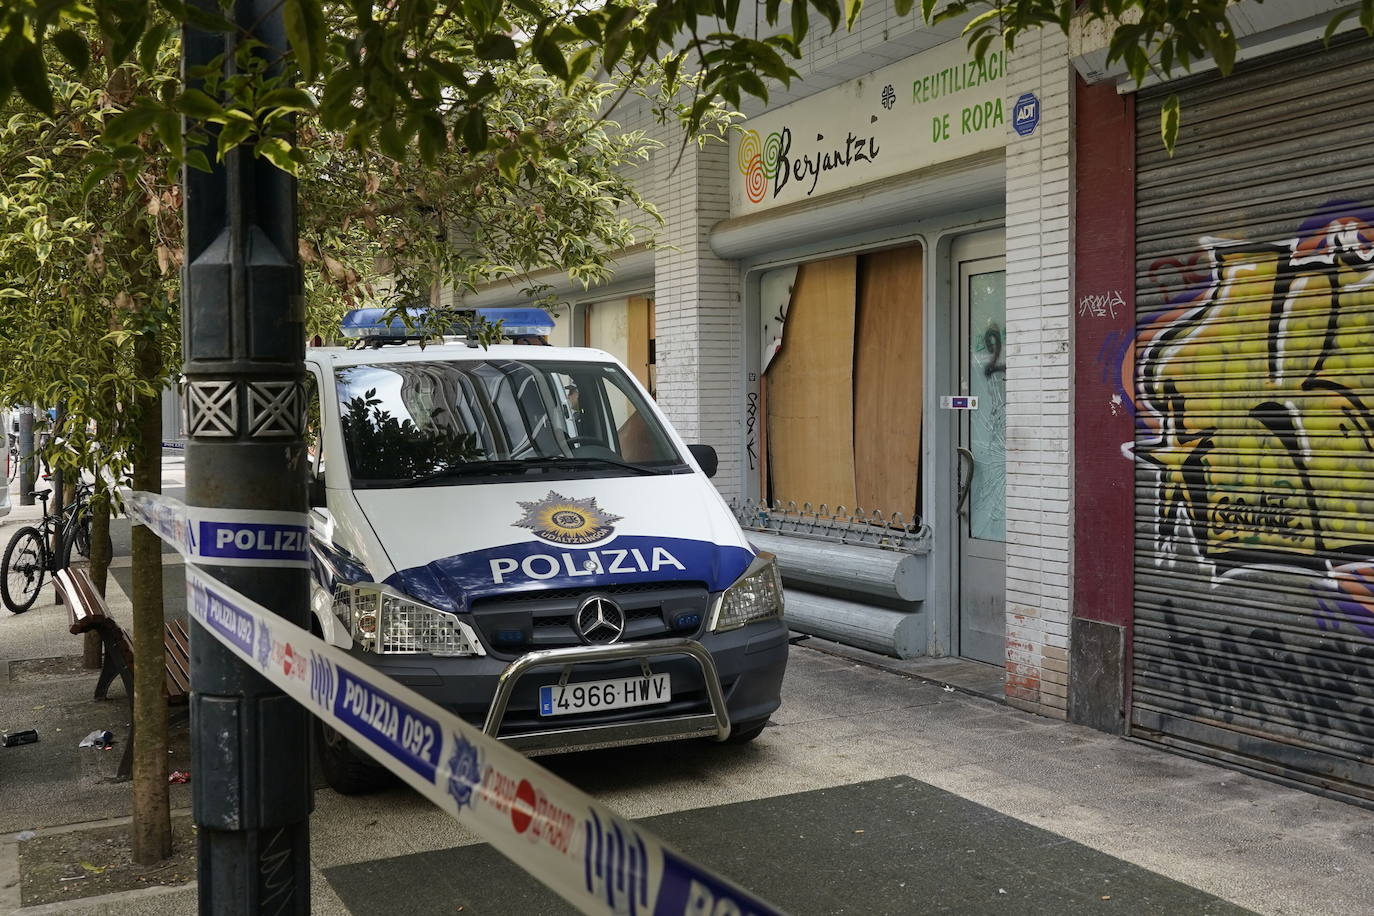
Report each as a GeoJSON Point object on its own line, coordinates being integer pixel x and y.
{"type": "Point", "coordinates": [91, 235]}
{"type": "Point", "coordinates": [423, 75]}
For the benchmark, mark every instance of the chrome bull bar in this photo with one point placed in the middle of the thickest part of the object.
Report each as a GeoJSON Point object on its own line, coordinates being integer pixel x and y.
{"type": "Point", "coordinates": [715, 724]}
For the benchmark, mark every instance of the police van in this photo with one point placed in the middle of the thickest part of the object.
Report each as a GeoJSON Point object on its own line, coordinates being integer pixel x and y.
{"type": "Point", "coordinates": [517, 533]}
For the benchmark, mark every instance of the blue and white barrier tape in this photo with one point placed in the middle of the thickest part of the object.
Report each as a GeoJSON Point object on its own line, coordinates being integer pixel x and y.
{"type": "Point", "coordinates": [226, 537]}
{"type": "Point", "coordinates": [596, 860]}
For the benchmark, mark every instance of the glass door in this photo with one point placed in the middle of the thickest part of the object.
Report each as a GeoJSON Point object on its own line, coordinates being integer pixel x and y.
{"type": "Point", "coordinates": [982, 460]}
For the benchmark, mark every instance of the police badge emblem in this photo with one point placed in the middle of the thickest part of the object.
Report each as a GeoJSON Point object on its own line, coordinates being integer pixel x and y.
{"type": "Point", "coordinates": [264, 646]}
{"type": "Point", "coordinates": [464, 771]}
{"type": "Point", "coordinates": [559, 519]}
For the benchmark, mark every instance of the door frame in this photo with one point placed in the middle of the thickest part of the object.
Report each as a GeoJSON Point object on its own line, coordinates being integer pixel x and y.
{"type": "Point", "coordinates": [966, 250]}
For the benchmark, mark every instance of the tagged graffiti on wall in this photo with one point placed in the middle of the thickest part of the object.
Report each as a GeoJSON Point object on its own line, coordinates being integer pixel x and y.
{"type": "Point", "coordinates": [1256, 410]}
{"type": "Point", "coordinates": [1255, 430]}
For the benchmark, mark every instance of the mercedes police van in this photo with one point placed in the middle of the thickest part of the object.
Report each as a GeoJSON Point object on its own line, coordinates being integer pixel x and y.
{"type": "Point", "coordinates": [517, 533]}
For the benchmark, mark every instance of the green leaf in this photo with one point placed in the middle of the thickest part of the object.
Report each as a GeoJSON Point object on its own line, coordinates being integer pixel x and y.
{"type": "Point", "coordinates": [448, 71]}
{"type": "Point", "coordinates": [1223, 48]}
{"type": "Point", "coordinates": [1169, 117]}
{"type": "Point", "coordinates": [305, 29]}
{"type": "Point", "coordinates": [485, 86]}
{"type": "Point", "coordinates": [97, 174]}
{"type": "Point", "coordinates": [207, 21]}
{"type": "Point", "coordinates": [433, 137]}
{"type": "Point", "coordinates": [800, 20]}
{"type": "Point", "coordinates": [496, 46]}
{"type": "Point", "coordinates": [475, 133]}
{"type": "Point", "coordinates": [831, 10]}
{"type": "Point", "coordinates": [126, 126]}
{"type": "Point", "coordinates": [902, 7]}
{"type": "Point", "coordinates": [278, 152]}
{"type": "Point", "coordinates": [1367, 16]}
{"type": "Point", "coordinates": [390, 141]}
{"type": "Point", "coordinates": [580, 62]}
{"type": "Point", "coordinates": [984, 17]}
{"type": "Point", "coordinates": [1335, 24]}
{"type": "Point", "coordinates": [614, 50]}
{"type": "Point", "coordinates": [169, 132]}
{"type": "Point", "coordinates": [232, 134]}
{"type": "Point", "coordinates": [73, 46]}
{"type": "Point", "coordinates": [125, 34]}
{"type": "Point", "coordinates": [286, 99]}
{"type": "Point", "coordinates": [749, 81]}
{"type": "Point", "coordinates": [150, 45]}
{"type": "Point", "coordinates": [550, 57]}
{"type": "Point", "coordinates": [508, 163]}
{"type": "Point", "coordinates": [30, 75]}
{"type": "Point", "coordinates": [589, 26]}
{"type": "Point", "coordinates": [851, 12]}
{"type": "Point", "coordinates": [197, 105]}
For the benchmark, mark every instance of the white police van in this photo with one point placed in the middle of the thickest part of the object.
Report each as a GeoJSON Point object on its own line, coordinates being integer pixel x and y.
{"type": "Point", "coordinates": [518, 534]}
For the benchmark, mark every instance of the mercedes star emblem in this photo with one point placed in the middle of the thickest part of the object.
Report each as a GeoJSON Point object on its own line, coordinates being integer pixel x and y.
{"type": "Point", "coordinates": [599, 621]}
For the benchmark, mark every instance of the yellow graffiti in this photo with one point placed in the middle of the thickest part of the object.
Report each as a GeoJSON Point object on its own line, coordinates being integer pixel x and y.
{"type": "Point", "coordinates": [1262, 395]}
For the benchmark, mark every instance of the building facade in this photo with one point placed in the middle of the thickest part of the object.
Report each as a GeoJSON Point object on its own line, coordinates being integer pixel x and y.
{"type": "Point", "coordinates": [998, 377]}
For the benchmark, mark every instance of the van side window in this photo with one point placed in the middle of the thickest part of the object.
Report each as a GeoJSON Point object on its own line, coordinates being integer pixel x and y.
{"type": "Point", "coordinates": [314, 429]}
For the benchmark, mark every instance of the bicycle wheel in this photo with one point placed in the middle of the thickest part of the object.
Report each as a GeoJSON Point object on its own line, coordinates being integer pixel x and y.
{"type": "Point", "coordinates": [81, 538]}
{"type": "Point", "coordinates": [22, 569]}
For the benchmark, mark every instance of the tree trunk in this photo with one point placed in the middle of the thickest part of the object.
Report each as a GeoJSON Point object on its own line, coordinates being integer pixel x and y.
{"type": "Point", "coordinates": [102, 551]}
{"type": "Point", "coordinates": [152, 826]}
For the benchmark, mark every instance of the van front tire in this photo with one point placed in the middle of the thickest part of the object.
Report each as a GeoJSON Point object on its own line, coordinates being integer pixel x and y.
{"type": "Point", "coordinates": [743, 734]}
{"type": "Point", "coordinates": [345, 771]}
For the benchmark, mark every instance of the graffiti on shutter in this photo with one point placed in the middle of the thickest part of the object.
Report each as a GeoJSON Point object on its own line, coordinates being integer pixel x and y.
{"type": "Point", "coordinates": [1255, 431]}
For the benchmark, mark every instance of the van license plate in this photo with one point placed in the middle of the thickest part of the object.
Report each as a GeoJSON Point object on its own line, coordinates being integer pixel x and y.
{"type": "Point", "coordinates": [556, 700]}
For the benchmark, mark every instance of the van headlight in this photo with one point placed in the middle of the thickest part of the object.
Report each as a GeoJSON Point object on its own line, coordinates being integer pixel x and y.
{"type": "Point", "coordinates": [755, 596]}
{"type": "Point", "coordinates": [382, 620]}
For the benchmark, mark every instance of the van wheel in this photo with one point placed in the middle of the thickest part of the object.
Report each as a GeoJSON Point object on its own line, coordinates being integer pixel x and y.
{"type": "Point", "coordinates": [743, 734]}
{"type": "Point", "coordinates": [346, 772]}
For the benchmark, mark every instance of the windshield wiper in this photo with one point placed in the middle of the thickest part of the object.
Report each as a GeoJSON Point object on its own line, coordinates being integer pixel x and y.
{"type": "Point", "coordinates": [613, 462]}
{"type": "Point", "coordinates": [472, 469]}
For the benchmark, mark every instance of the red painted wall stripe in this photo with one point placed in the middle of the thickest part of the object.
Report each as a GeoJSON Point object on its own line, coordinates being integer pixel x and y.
{"type": "Point", "coordinates": [1104, 338]}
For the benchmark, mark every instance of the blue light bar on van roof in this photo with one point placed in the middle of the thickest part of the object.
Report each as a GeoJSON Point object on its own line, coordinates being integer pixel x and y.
{"type": "Point", "coordinates": [520, 322]}
{"type": "Point", "coordinates": [372, 323]}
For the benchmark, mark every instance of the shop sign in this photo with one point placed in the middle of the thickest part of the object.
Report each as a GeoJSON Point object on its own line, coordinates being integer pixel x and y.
{"type": "Point", "coordinates": [934, 107]}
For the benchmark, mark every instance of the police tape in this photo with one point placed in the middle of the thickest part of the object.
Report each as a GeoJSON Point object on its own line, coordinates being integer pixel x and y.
{"type": "Point", "coordinates": [593, 858]}
{"type": "Point", "coordinates": [227, 537]}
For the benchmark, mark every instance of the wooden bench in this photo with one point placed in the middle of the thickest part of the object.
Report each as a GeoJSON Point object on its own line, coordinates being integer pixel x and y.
{"type": "Point", "coordinates": [88, 611]}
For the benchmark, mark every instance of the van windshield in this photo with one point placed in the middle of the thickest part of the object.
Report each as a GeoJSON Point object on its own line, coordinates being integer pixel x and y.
{"type": "Point", "coordinates": [454, 422]}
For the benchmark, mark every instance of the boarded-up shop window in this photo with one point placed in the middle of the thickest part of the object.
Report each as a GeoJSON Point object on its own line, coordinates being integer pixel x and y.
{"type": "Point", "coordinates": [842, 391]}
{"type": "Point", "coordinates": [624, 328]}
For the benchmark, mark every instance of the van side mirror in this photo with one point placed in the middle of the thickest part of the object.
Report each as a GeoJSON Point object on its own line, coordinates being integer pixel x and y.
{"type": "Point", "coordinates": [706, 457]}
{"type": "Point", "coordinates": [318, 500]}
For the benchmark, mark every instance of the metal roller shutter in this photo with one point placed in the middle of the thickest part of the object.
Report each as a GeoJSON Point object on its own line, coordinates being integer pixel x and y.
{"type": "Point", "coordinates": [1254, 573]}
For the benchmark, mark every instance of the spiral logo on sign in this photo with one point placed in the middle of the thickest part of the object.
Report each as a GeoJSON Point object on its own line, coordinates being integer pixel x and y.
{"type": "Point", "coordinates": [749, 159]}
{"type": "Point", "coordinates": [772, 149]}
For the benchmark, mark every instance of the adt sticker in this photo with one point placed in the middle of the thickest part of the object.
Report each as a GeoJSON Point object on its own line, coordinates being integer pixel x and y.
{"type": "Point", "coordinates": [1025, 114]}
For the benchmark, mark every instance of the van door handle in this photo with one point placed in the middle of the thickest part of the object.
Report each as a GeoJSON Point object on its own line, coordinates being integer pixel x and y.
{"type": "Point", "coordinates": [965, 483]}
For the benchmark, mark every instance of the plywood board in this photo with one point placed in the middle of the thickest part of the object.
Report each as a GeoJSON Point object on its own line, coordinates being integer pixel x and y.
{"type": "Point", "coordinates": [810, 383]}
{"type": "Point", "coordinates": [888, 374]}
{"type": "Point", "coordinates": [640, 312]}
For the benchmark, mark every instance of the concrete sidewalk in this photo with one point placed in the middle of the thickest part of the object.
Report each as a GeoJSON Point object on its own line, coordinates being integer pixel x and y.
{"type": "Point", "coordinates": [872, 792]}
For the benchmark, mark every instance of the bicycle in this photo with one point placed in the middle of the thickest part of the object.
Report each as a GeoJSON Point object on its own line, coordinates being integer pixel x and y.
{"type": "Point", "coordinates": [29, 556]}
